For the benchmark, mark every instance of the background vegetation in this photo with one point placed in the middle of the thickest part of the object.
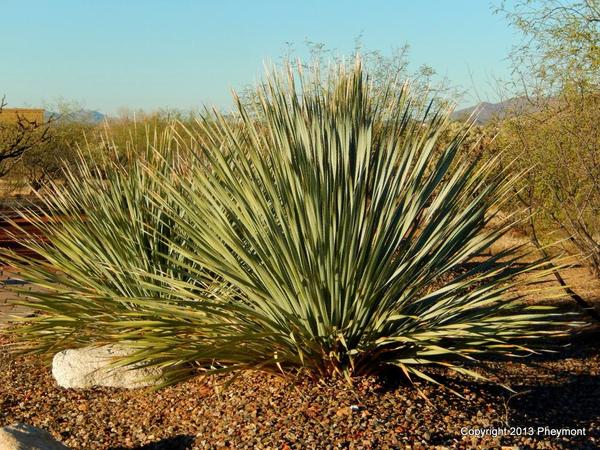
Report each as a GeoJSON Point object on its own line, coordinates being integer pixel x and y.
{"type": "Point", "coordinates": [555, 133]}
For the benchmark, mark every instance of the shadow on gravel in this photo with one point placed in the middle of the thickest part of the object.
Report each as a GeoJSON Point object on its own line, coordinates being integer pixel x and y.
{"type": "Point", "coordinates": [181, 442]}
{"type": "Point", "coordinates": [566, 405]}
{"type": "Point", "coordinates": [569, 405]}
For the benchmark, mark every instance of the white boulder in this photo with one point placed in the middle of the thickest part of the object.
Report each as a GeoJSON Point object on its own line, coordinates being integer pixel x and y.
{"type": "Point", "coordinates": [90, 366]}
{"type": "Point", "coordinates": [20, 436]}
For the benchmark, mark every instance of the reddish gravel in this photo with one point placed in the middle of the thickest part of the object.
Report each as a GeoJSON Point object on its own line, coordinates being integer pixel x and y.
{"type": "Point", "coordinates": [264, 411]}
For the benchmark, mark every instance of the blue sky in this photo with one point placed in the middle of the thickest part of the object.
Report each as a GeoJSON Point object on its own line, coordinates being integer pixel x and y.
{"type": "Point", "coordinates": [181, 53]}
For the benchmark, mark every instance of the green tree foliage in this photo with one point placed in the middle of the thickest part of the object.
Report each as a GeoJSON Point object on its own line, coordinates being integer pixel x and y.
{"type": "Point", "coordinates": [561, 45]}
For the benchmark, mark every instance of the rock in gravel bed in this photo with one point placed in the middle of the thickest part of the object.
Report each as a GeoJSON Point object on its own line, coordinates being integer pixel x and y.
{"type": "Point", "coordinates": [21, 436]}
{"type": "Point", "coordinates": [90, 366]}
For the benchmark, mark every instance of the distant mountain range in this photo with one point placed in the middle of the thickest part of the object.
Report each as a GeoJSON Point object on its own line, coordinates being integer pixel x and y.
{"type": "Point", "coordinates": [486, 111]}
{"type": "Point", "coordinates": [83, 115]}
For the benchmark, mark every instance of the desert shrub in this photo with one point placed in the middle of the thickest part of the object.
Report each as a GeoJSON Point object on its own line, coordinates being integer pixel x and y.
{"type": "Point", "coordinates": [44, 162]}
{"type": "Point", "coordinates": [559, 142]}
{"type": "Point", "coordinates": [18, 134]}
{"type": "Point", "coordinates": [339, 241]}
{"type": "Point", "coordinates": [555, 133]}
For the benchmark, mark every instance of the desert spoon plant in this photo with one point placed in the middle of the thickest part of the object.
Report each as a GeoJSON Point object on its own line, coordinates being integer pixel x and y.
{"type": "Point", "coordinates": [342, 239]}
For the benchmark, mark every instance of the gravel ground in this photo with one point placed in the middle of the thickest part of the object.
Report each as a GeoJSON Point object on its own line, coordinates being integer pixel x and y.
{"type": "Point", "coordinates": [264, 411]}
